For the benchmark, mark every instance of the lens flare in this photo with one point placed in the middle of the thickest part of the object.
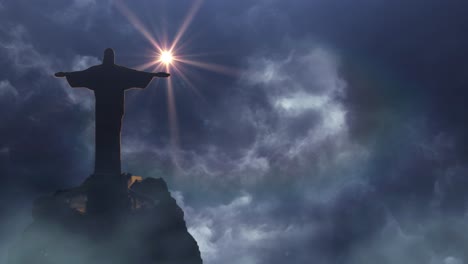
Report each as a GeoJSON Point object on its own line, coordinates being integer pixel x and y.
{"type": "Point", "coordinates": [166, 57]}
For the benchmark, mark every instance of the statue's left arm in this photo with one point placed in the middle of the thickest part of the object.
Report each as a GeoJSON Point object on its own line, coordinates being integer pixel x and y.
{"type": "Point", "coordinates": [138, 79]}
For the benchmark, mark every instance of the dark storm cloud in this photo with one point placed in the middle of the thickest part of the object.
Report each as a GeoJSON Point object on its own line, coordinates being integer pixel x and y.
{"type": "Point", "coordinates": [342, 140]}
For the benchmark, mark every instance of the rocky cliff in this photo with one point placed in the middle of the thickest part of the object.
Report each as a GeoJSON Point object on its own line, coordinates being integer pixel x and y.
{"type": "Point", "coordinates": [114, 220]}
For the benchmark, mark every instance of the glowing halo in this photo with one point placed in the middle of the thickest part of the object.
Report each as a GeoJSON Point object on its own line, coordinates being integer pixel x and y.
{"type": "Point", "coordinates": [166, 57]}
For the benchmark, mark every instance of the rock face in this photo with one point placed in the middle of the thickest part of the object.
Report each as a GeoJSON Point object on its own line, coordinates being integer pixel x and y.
{"type": "Point", "coordinates": [108, 220]}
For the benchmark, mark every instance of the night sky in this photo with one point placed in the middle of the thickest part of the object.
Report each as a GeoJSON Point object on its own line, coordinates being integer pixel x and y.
{"type": "Point", "coordinates": [325, 131]}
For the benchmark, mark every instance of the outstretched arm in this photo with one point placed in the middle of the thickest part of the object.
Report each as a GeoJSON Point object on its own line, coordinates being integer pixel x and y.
{"type": "Point", "coordinates": [60, 74]}
{"type": "Point", "coordinates": [161, 74]}
{"type": "Point", "coordinates": [130, 78]}
{"type": "Point", "coordinates": [78, 78]}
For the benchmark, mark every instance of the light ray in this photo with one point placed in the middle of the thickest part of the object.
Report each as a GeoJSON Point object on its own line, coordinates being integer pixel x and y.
{"type": "Point", "coordinates": [145, 66]}
{"type": "Point", "coordinates": [188, 82]}
{"type": "Point", "coordinates": [185, 24]}
{"type": "Point", "coordinates": [136, 23]}
{"type": "Point", "coordinates": [173, 122]}
{"type": "Point", "coordinates": [212, 67]}
{"type": "Point", "coordinates": [202, 54]}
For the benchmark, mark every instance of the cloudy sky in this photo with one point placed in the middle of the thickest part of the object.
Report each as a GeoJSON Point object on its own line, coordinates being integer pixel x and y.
{"type": "Point", "coordinates": [324, 131]}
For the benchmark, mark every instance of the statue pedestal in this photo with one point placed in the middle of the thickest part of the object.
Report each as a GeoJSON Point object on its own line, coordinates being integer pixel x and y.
{"type": "Point", "coordinates": [107, 194]}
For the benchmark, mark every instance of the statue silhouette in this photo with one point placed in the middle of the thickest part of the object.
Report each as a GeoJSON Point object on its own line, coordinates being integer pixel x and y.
{"type": "Point", "coordinates": [109, 82]}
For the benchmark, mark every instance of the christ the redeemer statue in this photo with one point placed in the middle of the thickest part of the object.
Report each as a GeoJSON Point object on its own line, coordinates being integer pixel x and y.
{"type": "Point", "coordinates": [109, 82]}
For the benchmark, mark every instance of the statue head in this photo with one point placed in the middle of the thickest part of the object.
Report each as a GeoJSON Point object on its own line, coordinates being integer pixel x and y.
{"type": "Point", "coordinates": [108, 57]}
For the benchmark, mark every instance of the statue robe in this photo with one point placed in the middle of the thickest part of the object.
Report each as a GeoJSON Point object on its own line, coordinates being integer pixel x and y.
{"type": "Point", "coordinates": [109, 83]}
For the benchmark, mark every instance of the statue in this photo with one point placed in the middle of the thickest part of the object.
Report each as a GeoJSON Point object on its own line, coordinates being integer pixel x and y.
{"type": "Point", "coordinates": [110, 217]}
{"type": "Point", "coordinates": [109, 83]}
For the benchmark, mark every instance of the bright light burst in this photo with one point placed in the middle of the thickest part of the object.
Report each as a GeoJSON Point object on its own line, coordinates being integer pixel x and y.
{"type": "Point", "coordinates": [167, 57]}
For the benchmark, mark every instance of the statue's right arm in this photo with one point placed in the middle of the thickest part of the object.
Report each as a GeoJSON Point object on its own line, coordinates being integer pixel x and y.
{"type": "Point", "coordinates": [78, 78]}
{"type": "Point", "coordinates": [60, 74]}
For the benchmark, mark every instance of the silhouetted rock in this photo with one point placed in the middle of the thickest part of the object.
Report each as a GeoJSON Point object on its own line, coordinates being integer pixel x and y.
{"type": "Point", "coordinates": [139, 223]}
